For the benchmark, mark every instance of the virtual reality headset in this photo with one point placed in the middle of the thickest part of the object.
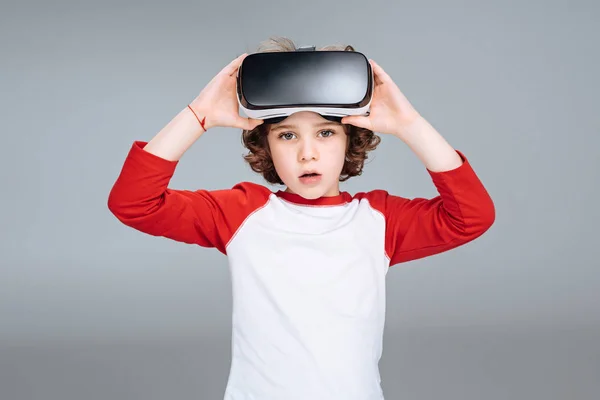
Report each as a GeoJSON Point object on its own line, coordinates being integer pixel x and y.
{"type": "Point", "coordinates": [272, 86]}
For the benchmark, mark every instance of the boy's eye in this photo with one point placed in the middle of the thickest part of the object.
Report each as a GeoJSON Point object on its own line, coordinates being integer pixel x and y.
{"type": "Point", "coordinates": [327, 133]}
{"type": "Point", "coordinates": [286, 136]}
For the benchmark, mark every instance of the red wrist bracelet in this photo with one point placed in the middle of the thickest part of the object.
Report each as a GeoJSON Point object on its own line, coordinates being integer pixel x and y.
{"type": "Point", "coordinates": [201, 122]}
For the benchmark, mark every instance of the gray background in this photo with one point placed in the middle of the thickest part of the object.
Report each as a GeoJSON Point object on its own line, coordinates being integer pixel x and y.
{"type": "Point", "coordinates": [90, 309]}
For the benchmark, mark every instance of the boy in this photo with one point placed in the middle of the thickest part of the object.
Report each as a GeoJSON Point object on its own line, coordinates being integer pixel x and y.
{"type": "Point", "coordinates": [308, 263]}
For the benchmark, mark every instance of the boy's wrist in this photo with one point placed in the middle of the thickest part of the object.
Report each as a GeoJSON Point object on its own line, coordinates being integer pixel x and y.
{"type": "Point", "coordinates": [201, 112]}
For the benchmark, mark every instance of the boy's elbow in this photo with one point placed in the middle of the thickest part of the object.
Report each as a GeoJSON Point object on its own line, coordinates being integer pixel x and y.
{"type": "Point", "coordinates": [491, 215]}
{"type": "Point", "coordinates": [477, 222]}
{"type": "Point", "coordinates": [486, 217]}
{"type": "Point", "coordinates": [115, 205]}
{"type": "Point", "coordinates": [133, 211]}
{"type": "Point", "coordinates": [120, 207]}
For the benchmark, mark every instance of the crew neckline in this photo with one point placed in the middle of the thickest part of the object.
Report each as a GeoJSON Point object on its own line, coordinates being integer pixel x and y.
{"type": "Point", "coordinates": [339, 199]}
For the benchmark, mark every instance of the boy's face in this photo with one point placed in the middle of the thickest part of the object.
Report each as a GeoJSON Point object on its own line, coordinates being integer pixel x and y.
{"type": "Point", "coordinates": [305, 142]}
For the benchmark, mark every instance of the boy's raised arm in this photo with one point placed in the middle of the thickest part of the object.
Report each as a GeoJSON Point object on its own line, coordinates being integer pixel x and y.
{"type": "Point", "coordinates": [422, 227]}
{"type": "Point", "coordinates": [140, 197]}
{"type": "Point", "coordinates": [216, 105]}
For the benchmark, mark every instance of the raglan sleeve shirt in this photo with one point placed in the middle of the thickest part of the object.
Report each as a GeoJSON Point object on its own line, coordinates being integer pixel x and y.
{"type": "Point", "coordinates": [420, 227]}
{"type": "Point", "coordinates": [414, 228]}
{"type": "Point", "coordinates": [140, 198]}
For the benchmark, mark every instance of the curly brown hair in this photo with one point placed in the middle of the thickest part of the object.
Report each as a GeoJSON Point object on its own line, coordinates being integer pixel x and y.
{"type": "Point", "coordinates": [360, 140]}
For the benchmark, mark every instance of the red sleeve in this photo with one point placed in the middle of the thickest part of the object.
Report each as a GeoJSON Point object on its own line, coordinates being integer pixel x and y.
{"type": "Point", "coordinates": [141, 199]}
{"type": "Point", "coordinates": [417, 228]}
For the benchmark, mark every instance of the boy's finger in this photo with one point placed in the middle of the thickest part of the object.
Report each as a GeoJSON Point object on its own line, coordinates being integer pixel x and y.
{"type": "Point", "coordinates": [234, 65]}
{"type": "Point", "coordinates": [380, 75]}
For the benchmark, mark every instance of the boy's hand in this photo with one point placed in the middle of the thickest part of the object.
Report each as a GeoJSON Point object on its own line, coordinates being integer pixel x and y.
{"type": "Point", "coordinates": [218, 100]}
{"type": "Point", "coordinates": [390, 109]}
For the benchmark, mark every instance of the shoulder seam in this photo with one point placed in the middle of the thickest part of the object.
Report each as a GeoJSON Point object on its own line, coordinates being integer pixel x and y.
{"type": "Point", "coordinates": [384, 225]}
{"type": "Point", "coordinates": [257, 209]}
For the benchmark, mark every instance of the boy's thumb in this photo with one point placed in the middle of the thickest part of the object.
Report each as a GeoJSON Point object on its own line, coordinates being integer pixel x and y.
{"type": "Point", "coordinates": [249, 123]}
{"type": "Point", "coordinates": [356, 120]}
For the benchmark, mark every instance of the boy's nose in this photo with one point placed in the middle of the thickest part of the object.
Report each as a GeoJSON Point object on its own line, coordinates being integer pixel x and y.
{"type": "Point", "coordinates": [308, 151]}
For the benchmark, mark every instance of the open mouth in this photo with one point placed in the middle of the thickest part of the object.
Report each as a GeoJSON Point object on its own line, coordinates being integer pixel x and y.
{"type": "Point", "coordinates": [310, 178]}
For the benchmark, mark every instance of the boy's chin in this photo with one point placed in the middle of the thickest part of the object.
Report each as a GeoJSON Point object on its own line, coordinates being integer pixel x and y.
{"type": "Point", "coordinates": [309, 193]}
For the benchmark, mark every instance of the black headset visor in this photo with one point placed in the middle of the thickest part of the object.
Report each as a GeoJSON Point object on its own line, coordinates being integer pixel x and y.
{"type": "Point", "coordinates": [274, 85]}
